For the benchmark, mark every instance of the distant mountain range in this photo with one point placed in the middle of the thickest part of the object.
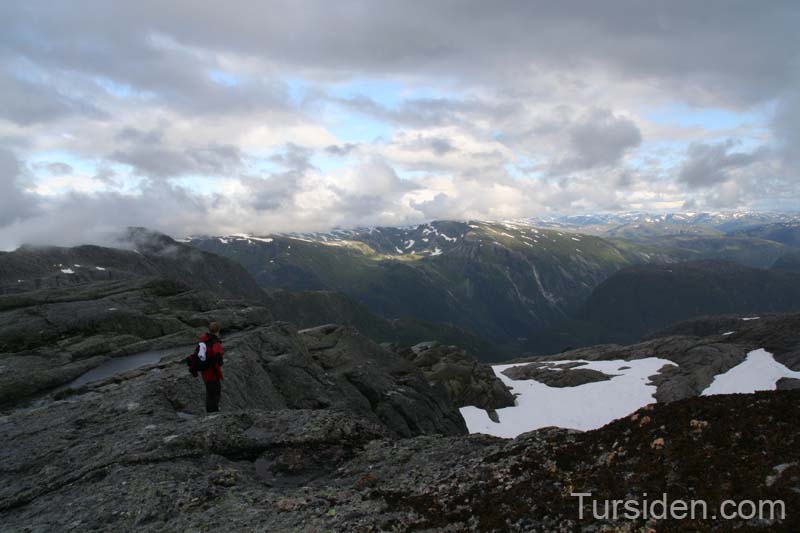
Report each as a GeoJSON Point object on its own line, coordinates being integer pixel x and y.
{"type": "Point", "coordinates": [751, 238]}
{"type": "Point", "coordinates": [691, 222]}
{"type": "Point", "coordinates": [499, 289]}
{"type": "Point", "coordinates": [520, 285]}
{"type": "Point", "coordinates": [504, 282]}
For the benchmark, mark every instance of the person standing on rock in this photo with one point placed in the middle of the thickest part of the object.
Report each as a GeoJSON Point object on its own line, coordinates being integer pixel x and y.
{"type": "Point", "coordinates": [212, 375]}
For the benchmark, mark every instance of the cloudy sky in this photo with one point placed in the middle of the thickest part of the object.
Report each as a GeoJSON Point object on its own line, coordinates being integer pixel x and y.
{"type": "Point", "coordinates": [259, 116]}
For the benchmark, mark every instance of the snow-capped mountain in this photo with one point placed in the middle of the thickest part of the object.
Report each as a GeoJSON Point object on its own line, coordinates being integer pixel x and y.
{"type": "Point", "coordinates": [502, 279]}
{"type": "Point", "coordinates": [616, 224]}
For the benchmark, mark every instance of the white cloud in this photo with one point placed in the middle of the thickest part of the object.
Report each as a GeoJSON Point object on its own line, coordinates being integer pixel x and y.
{"type": "Point", "coordinates": [299, 115]}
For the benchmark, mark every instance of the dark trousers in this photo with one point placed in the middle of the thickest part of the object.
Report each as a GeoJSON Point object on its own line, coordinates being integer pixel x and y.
{"type": "Point", "coordinates": [213, 393]}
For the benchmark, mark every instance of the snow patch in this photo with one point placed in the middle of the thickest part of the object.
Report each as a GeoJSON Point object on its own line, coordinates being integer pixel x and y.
{"type": "Point", "coordinates": [100, 268]}
{"type": "Point", "coordinates": [67, 271]}
{"type": "Point", "coordinates": [584, 407]}
{"type": "Point", "coordinates": [760, 371]}
{"type": "Point", "coordinates": [751, 318]}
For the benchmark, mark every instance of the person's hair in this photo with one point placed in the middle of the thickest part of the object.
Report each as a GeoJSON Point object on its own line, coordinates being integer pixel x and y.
{"type": "Point", "coordinates": [214, 328]}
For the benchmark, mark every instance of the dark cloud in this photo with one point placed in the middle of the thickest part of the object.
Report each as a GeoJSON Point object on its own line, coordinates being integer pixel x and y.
{"type": "Point", "coordinates": [108, 176]}
{"type": "Point", "coordinates": [736, 49]}
{"type": "Point", "coordinates": [624, 179]}
{"type": "Point", "coordinates": [15, 203]}
{"type": "Point", "coordinates": [786, 125]}
{"type": "Point", "coordinates": [599, 138]}
{"type": "Point", "coordinates": [437, 145]}
{"type": "Point", "coordinates": [728, 52]}
{"type": "Point", "coordinates": [277, 190]}
{"type": "Point", "coordinates": [431, 112]}
{"type": "Point", "coordinates": [135, 135]}
{"type": "Point", "coordinates": [341, 150]}
{"type": "Point", "coordinates": [294, 158]}
{"type": "Point", "coordinates": [273, 192]}
{"type": "Point", "coordinates": [151, 157]}
{"type": "Point", "coordinates": [25, 103]}
{"type": "Point", "coordinates": [89, 49]}
{"type": "Point", "coordinates": [710, 164]}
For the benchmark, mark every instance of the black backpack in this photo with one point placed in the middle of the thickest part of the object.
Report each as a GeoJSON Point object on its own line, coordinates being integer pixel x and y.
{"type": "Point", "coordinates": [194, 362]}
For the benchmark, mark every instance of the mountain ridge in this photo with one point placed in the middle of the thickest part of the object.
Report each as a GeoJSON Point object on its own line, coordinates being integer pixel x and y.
{"type": "Point", "coordinates": [639, 300]}
{"type": "Point", "coordinates": [498, 280]}
{"type": "Point", "coordinates": [510, 283]}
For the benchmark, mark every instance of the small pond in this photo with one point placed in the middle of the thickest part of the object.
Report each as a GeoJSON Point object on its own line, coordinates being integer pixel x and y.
{"type": "Point", "coordinates": [118, 365]}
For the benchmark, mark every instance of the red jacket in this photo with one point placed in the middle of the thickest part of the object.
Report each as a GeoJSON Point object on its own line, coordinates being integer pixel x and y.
{"type": "Point", "coordinates": [215, 353]}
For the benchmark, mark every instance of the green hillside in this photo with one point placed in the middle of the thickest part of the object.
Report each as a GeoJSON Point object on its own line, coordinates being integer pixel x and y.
{"type": "Point", "coordinates": [500, 281]}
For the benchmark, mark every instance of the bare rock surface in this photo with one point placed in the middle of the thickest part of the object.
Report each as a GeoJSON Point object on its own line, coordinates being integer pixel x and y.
{"type": "Point", "coordinates": [120, 457]}
{"type": "Point", "coordinates": [556, 375]}
{"type": "Point", "coordinates": [467, 381]}
{"type": "Point", "coordinates": [52, 336]}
